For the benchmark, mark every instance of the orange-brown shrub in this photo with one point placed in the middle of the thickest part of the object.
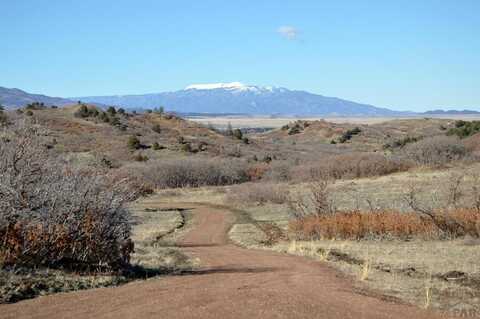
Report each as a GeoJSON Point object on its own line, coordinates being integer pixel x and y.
{"type": "Point", "coordinates": [256, 172]}
{"type": "Point", "coordinates": [390, 224]}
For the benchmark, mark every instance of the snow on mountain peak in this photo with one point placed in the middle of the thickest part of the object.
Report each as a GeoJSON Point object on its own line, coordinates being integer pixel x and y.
{"type": "Point", "coordinates": [235, 87]}
{"type": "Point", "coordinates": [212, 86]}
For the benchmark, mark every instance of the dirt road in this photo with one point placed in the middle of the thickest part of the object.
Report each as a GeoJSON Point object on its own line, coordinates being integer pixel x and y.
{"type": "Point", "coordinates": [233, 283]}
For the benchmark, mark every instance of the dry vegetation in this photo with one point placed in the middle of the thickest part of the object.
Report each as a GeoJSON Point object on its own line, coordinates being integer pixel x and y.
{"type": "Point", "coordinates": [56, 215]}
{"type": "Point", "coordinates": [65, 227]}
{"type": "Point", "coordinates": [413, 236]}
{"type": "Point", "coordinates": [338, 192]}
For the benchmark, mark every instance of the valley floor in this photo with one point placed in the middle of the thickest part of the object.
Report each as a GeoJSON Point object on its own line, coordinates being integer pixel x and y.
{"type": "Point", "coordinates": [276, 122]}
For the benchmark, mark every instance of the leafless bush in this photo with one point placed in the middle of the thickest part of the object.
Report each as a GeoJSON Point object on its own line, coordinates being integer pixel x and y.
{"type": "Point", "coordinates": [354, 165]}
{"type": "Point", "coordinates": [435, 151]}
{"type": "Point", "coordinates": [52, 214]}
{"type": "Point", "coordinates": [454, 190]}
{"type": "Point", "coordinates": [258, 193]}
{"type": "Point", "coordinates": [442, 218]}
{"type": "Point", "coordinates": [317, 202]}
{"type": "Point", "coordinates": [279, 172]}
{"type": "Point", "coordinates": [475, 190]}
{"type": "Point", "coordinates": [195, 173]}
{"type": "Point", "coordinates": [442, 213]}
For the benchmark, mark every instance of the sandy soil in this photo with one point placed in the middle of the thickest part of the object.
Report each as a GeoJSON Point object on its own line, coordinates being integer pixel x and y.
{"type": "Point", "coordinates": [232, 283]}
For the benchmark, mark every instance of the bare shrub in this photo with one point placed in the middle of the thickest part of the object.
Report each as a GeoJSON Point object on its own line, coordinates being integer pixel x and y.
{"type": "Point", "coordinates": [475, 189]}
{"type": "Point", "coordinates": [354, 165]}
{"type": "Point", "coordinates": [444, 219]}
{"type": "Point", "coordinates": [454, 189]}
{"type": "Point", "coordinates": [445, 214]}
{"type": "Point", "coordinates": [194, 173]}
{"type": "Point", "coordinates": [472, 144]}
{"type": "Point", "coordinates": [435, 151]}
{"type": "Point", "coordinates": [317, 202]}
{"type": "Point", "coordinates": [258, 193]}
{"type": "Point", "coordinates": [52, 214]}
{"type": "Point", "coordinates": [279, 172]}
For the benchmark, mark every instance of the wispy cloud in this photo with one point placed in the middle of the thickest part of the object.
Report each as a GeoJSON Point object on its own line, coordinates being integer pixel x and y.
{"type": "Point", "coordinates": [288, 32]}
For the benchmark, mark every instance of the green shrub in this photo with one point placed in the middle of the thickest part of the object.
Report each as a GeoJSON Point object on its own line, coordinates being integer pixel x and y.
{"type": "Point", "coordinates": [237, 133]}
{"type": "Point", "coordinates": [104, 117]}
{"type": "Point", "coordinates": [111, 111]}
{"type": "Point", "coordinates": [133, 143]}
{"type": "Point", "coordinates": [295, 129]}
{"type": "Point", "coordinates": [186, 147]}
{"type": "Point", "coordinates": [349, 134]}
{"type": "Point", "coordinates": [464, 129]}
{"type": "Point", "coordinates": [84, 112]}
{"type": "Point", "coordinates": [35, 106]}
{"type": "Point", "coordinates": [156, 146]}
{"type": "Point", "coordinates": [3, 117]}
{"type": "Point", "coordinates": [115, 121]}
{"type": "Point", "coordinates": [401, 142]}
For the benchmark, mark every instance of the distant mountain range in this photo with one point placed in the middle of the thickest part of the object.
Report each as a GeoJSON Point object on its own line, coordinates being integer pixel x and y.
{"type": "Point", "coordinates": [245, 99]}
{"type": "Point", "coordinates": [15, 98]}
{"type": "Point", "coordinates": [225, 98]}
{"type": "Point", "coordinates": [452, 112]}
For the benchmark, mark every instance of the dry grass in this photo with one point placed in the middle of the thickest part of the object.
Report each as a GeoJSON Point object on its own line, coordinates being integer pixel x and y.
{"type": "Point", "coordinates": [437, 274]}
{"type": "Point", "coordinates": [207, 194]}
{"type": "Point", "coordinates": [257, 194]}
{"type": "Point", "coordinates": [155, 234]}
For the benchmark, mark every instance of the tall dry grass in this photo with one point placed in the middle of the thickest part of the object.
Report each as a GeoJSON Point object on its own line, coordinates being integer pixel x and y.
{"type": "Point", "coordinates": [357, 225]}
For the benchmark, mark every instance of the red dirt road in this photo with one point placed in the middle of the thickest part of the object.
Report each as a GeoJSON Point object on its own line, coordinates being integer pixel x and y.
{"type": "Point", "coordinates": [233, 283]}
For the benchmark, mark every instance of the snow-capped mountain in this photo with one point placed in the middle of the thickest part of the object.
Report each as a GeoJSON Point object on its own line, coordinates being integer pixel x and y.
{"type": "Point", "coordinates": [233, 87]}
{"type": "Point", "coordinates": [236, 97]}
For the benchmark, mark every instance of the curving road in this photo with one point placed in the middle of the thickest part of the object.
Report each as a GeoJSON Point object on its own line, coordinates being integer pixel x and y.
{"type": "Point", "coordinates": [233, 283]}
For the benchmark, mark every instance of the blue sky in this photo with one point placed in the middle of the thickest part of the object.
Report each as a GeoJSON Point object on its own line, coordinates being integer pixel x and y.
{"type": "Point", "coordinates": [413, 54]}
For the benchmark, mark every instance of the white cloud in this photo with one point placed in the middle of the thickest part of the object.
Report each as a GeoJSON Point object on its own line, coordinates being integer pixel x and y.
{"type": "Point", "coordinates": [288, 32]}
